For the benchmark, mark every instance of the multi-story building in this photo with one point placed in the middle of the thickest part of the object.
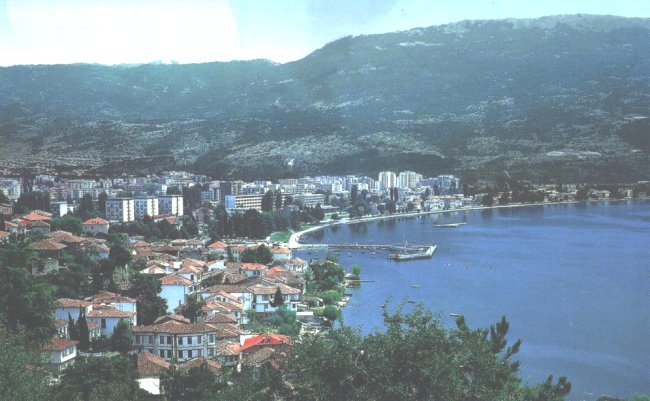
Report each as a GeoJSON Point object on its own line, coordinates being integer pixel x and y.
{"type": "Point", "coordinates": [245, 202]}
{"type": "Point", "coordinates": [387, 179]}
{"type": "Point", "coordinates": [408, 179]}
{"type": "Point", "coordinates": [170, 204]}
{"type": "Point", "coordinates": [175, 339]}
{"type": "Point", "coordinates": [120, 209]}
{"type": "Point", "coordinates": [145, 206]}
{"type": "Point", "coordinates": [310, 200]}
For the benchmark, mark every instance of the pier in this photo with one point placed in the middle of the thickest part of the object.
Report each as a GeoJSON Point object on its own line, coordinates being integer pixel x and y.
{"type": "Point", "coordinates": [371, 247]}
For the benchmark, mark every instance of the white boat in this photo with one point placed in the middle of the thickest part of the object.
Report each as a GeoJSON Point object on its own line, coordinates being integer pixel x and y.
{"type": "Point", "coordinates": [450, 225]}
{"type": "Point", "coordinates": [412, 255]}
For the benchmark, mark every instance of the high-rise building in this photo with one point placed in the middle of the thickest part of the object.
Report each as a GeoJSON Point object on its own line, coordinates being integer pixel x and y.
{"type": "Point", "coordinates": [145, 206]}
{"type": "Point", "coordinates": [387, 179]}
{"type": "Point", "coordinates": [170, 204]}
{"type": "Point", "coordinates": [408, 179]}
{"type": "Point", "coordinates": [120, 209]}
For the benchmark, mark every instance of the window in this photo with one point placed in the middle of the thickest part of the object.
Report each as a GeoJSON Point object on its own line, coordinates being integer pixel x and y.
{"type": "Point", "coordinates": [162, 353]}
{"type": "Point", "coordinates": [211, 352]}
{"type": "Point", "coordinates": [189, 354]}
{"type": "Point", "coordinates": [137, 339]}
{"type": "Point", "coordinates": [180, 355]}
{"type": "Point", "coordinates": [150, 339]}
{"type": "Point", "coordinates": [103, 323]}
{"type": "Point", "coordinates": [169, 340]}
{"type": "Point", "coordinates": [180, 341]}
{"type": "Point", "coordinates": [198, 339]}
{"type": "Point", "coordinates": [211, 338]}
{"type": "Point", "coordinates": [169, 354]}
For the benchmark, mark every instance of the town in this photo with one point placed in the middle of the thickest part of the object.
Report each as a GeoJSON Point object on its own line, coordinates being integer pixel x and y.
{"type": "Point", "coordinates": [179, 270]}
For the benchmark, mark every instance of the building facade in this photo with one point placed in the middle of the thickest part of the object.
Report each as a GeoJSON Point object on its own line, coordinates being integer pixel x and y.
{"type": "Point", "coordinates": [120, 209]}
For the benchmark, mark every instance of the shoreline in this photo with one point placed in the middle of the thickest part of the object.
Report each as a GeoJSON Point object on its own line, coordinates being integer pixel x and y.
{"type": "Point", "coordinates": [294, 240]}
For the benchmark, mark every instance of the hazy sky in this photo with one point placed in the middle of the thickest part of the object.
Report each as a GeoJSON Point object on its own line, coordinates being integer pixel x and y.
{"type": "Point", "coordinates": [137, 31]}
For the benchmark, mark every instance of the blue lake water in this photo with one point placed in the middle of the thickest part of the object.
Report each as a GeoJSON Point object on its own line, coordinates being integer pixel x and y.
{"type": "Point", "coordinates": [573, 280]}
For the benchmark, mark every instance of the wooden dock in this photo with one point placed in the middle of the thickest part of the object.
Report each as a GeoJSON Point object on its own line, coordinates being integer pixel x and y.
{"type": "Point", "coordinates": [371, 247]}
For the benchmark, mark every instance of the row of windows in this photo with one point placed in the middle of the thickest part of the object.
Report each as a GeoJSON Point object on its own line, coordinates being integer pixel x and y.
{"type": "Point", "coordinates": [167, 340]}
{"type": "Point", "coordinates": [182, 354]}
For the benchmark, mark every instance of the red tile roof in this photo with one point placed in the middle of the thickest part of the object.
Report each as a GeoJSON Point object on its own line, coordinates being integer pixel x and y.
{"type": "Point", "coordinates": [259, 289]}
{"type": "Point", "coordinates": [174, 327]}
{"type": "Point", "coordinates": [228, 348]}
{"type": "Point", "coordinates": [266, 339]}
{"type": "Point", "coordinates": [174, 279]}
{"type": "Point", "coordinates": [111, 298]}
{"type": "Point", "coordinates": [96, 221]}
{"type": "Point", "coordinates": [58, 344]}
{"type": "Point", "coordinates": [217, 245]}
{"type": "Point", "coordinates": [36, 217]}
{"type": "Point", "coordinates": [213, 365]}
{"type": "Point", "coordinates": [47, 245]}
{"type": "Point", "coordinates": [100, 311]}
{"type": "Point", "coordinates": [253, 266]}
{"type": "Point", "coordinates": [71, 303]}
{"type": "Point", "coordinates": [150, 364]}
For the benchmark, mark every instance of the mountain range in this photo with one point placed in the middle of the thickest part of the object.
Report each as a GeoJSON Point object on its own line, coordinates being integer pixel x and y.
{"type": "Point", "coordinates": [561, 98]}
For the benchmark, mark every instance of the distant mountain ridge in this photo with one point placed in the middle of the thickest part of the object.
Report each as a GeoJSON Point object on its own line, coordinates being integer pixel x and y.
{"type": "Point", "coordinates": [562, 97]}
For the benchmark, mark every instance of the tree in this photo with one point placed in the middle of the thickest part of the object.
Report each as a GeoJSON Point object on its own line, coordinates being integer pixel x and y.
{"type": "Point", "coordinates": [278, 299]}
{"type": "Point", "coordinates": [193, 308]}
{"type": "Point", "coordinates": [73, 332]}
{"type": "Point", "coordinates": [119, 255]}
{"type": "Point", "coordinates": [122, 337]}
{"type": "Point", "coordinates": [146, 289]}
{"type": "Point", "coordinates": [353, 193]}
{"type": "Point", "coordinates": [26, 303]}
{"type": "Point", "coordinates": [3, 197]}
{"type": "Point", "coordinates": [67, 223]}
{"type": "Point", "coordinates": [505, 198]}
{"type": "Point", "coordinates": [84, 332]}
{"type": "Point", "coordinates": [101, 202]}
{"type": "Point", "coordinates": [263, 254]}
{"type": "Point", "coordinates": [86, 207]}
{"type": "Point", "coordinates": [267, 201]}
{"type": "Point", "coordinates": [331, 313]}
{"type": "Point", "coordinates": [487, 200]}
{"type": "Point", "coordinates": [284, 320]}
{"type": "Point", "coordinates": [197, 384]}
{"type": "Point", "coordinates": [278, 200]}
{"type": "Point", "coordinates": [247, 256]}
{"type": "Point", "coordinates": [102, 378]}
{"type": "Point", "coordinates": [355, 269]}
{"type": "Point", "coordinates": [21, 378]}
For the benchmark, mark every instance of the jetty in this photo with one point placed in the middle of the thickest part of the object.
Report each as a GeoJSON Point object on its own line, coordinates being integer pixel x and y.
{"type": "Point", "coordinates": [371, 247]}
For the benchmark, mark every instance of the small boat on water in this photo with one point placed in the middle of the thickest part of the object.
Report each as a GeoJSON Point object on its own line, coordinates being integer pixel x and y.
{"type": "Point", "coordinates": [450, 225]}
{"type": "Point", "coordinates": [416, 285]}
{"type": "Point", "coordinates": [413, 254]}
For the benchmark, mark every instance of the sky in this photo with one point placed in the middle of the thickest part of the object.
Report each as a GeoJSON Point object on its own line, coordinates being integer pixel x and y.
{"type": "Point", "coordinates": [192, 31]}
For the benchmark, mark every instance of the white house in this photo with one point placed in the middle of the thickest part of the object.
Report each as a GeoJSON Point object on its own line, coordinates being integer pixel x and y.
{"type": "Point", "coordinates": [60, 354]}
{"type": "Point", "coordinates": [263, 296]}
{"type": "Point", "coordinates": [281, 253]}
{"type": "Point", "coordinates": [94, 226]}
{"type": "Point", "coordinates": [117, 301]}
{"type": "Point", "coordinates": [174, 289]}
{"type": "Point", "coordinates": [107, 317]}
{"type": "Point", "coordinates": [252, 269]}
{"type": "Point", "coordinates": [71, 306]}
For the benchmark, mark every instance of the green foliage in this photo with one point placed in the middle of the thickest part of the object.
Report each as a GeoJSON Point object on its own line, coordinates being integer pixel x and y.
{"type": "Point", "coordinates": [122, 337]}
{"type": "Point", "coordinates": [325, 276]}
{"type": "Point", "coordinates": [146, 289]}
{"type": "Point", "coordinates": [191, 309]}
{"type": "Point", "coordinates": [330, 297]}
{"type": "Point", "coordinates": [284, 321]}
{"type": "Point", "coordinates": [73, 332]}
{"type": "Point", "coordinates": [86, 208]}
{"type": "Point", "coordinates": [355, 270]}
{"type": "Point", "coordinates": [197, 384]}
{"type": "Point", "coordinates": [119, 255]}
{"type": "Point", "coordinates": [268, 201]}
{"type": "Point", "coordinates": [26, 303]}
{"type": "Point", "coordinates": [21, 378]}
{"type": "Point", "coordinates": [75, 281]}
{"type": "Point", "coordinates": [331, 313]}
{"type": "Point", "coordinates": [3, 197]}
{"type": "Point", "coordinates": [83, 331]}
{"type": "Point", "coordinates": [100, 379]}
{"type": "Point", "coordinates": [278, 299]}
{"type": "Point", "coordinates": [32, 200]}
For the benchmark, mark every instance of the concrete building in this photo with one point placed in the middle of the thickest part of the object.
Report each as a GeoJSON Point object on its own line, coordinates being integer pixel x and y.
{"type": "Point", "coordinates": [310, 200]}
{"type": "Point", "coordinates": [120, 209]}
{"type": "Point", "coordinates": [170, 204]}
{"type": "Point", "coordinates": [145, 206]}
{"type": "Point", "coordinates": [387, 179]}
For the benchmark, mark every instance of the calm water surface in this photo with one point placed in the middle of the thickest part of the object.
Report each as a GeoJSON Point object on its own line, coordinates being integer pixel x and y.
{"type": "Point", "coordinates": [573, 280]}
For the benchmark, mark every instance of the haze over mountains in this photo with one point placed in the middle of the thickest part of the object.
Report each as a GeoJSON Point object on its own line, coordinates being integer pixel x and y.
{"type": "Point", "coordinates": [564, 98]}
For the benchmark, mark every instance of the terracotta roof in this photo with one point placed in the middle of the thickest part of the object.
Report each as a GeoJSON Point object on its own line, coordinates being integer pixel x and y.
{"type": "Point", "coordinates": [193, 262]}
{"type": "Point", "coordinates": [228, 348]}
{"type": "Point", "coordinates": [213, 365]}
{"type": "Point", "coordinates": [253, 266]}
{"type": "Point", "coordinates": [280, 250]}
{"type": "Point", "coordinates": [150, 364]}
{"type": "Point", "coordinates": [175, 279]}
{"type": "Point", "coordinates": [35, 217]}
{"type": "Point", "coordinates": [95, 221]}
{"type": "Point", "coordinates": [47, 245]}
{"type": "Point", "coordinates": [229, 296]}
{"type": "Point", "coordinates": [259, 357]}
{"type": "Point", "coordinates": [154, 270]}
{"type": "Point", "coordinates": [58, 344]}
{"type": "Point", "coordinates": [111, 297]}
{"type": "Point", "coordinates": [259, 289]}
{"type": "Point", "coordinates": [71, 303]}
{"type": "Point", "coordinates": [220, 318]}
{"type": "Point", "coordinates": [275, 270]}
{"type": "Point", "coordinates": [266, 339]}
{"type": "Point", "coordinates": [227, 330]}
{"type": "Point", "coordinates": [100, 311]}
{"type": "Point", "coordinates": [230, 288]}
{"type": "Point", "coordinates": [167, 318]}
{"type": "Point", "coordinates": [190, 270]}
{"type": "Point", "coordinates": [222, 306]}
{"type": "Point", "coordinates": [64, 236]}
{"type": "Point", "coordinates": [174, 327]}
{"type": "Point", "coordinates": [217, 245]}
{"type": "Point", "coordinates": [42, 213]}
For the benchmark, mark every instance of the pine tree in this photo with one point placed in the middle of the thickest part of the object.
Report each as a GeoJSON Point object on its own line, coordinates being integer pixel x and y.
{"type": "Point", "coordinates": [84, 333]}
{"type": "Point", "coordinates": [73, 332]}
{"type": "Point", "coordinates": [278, 299]}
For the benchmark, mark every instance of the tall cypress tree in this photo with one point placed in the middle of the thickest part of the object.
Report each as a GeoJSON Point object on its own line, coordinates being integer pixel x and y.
{"type": "Point", "coordinates": [73, 332]}
{"type": "Point", "coordinates": [84, 333]}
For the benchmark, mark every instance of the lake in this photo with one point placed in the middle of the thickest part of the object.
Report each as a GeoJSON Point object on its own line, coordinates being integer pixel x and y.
{"type": "Point", "coordinates": [572, 279]}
